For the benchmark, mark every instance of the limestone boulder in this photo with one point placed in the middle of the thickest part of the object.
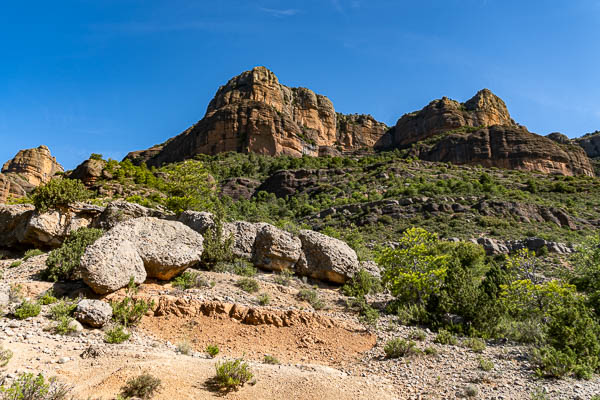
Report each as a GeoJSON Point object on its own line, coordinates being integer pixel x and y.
{"type": "Point", "coordinates": [326, 258]}
{"type": "Point", "coordinates": [200, 221]}
{"type": "Point", "coordinates": [276, 249]}
{"type": "Point", "coordinates": [109, 264]}
{"type": "Point", "coordinates": [95, 313]}
{"type": "Point", "coordinates": [120, 210]}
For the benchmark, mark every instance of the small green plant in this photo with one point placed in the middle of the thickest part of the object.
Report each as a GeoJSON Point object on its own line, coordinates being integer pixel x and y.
{"type": "Point", "coordinates": [5, 356]}
{"type": "Point", "coordinates": [232, 374]}
{"type": "Point", "coordinates": [32, 253]}
{"type": "Point", "coordinates": [430, 351]}
{"type": "Point", "coordinates": [284, 278]}
{"type": "Point", "coordinates": [397, 348]}
{"type": "Point", "coordinates": [445, 337]}
{"type": "Point", "coordinates": [471, 391]}
{"type": "Point", "coordinates": [486, 364]}
{"type": "Point", "coordinates": [143, 387]}
{"type": "Point", "coordinates": [184, 347]}
{"type": "Point", "coordinates": [475, 344]}
{"type": "Point", "coordinates": [361, 284]}
{"type": "Point", "coordinates": [129, 311]}
{"type": "Point", "coordinates": [47, 298]}
{"type": "Point", "coordinates": [27, 309]}
{"type": "Point", "coordinates": [63, 263]}
{"type": "Point", "coordinates": [27, 386]}
{"type": "Point", "coordinates": [248, 285]}
{"type": "Point", "coordinates": [312, 297]}
{"type": "Point", "coordinates": [190, 280]}
{"type": "Point", "coordinates": [212, 350]}
{"type": "Point", "coordinates": [62, 309]}
{"type": "Point", "coordinates": [96, 156]}
{"type": "Point", "coordinates": [15, 293]}
{"type": "Point", "coordinates": [418, 334]}
{"type": "Point", "coordinates": [268, 359]}
{"type": "Point", "coordinates": [553, 363]}
{"type": "Point", "coordinates": [541, 394]}
{"type": "Point", "coordinates": [116, 335]}
{"type": "Point", "coordinates": [263, 299]}
{"type": "Point", "coordinates": [64, 326]}
{"type": "Point", "coordinates": [59, 193]}
{"type": "Point", "coordinates": [15, 264]}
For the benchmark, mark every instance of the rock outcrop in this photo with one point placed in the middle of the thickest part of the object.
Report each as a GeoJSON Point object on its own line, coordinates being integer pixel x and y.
{"type": "Point", "coordinates": [481, 131]}
{"type": "Point", "coordinates": [276, 249]}
{"type": "Point", "coordinates": [27, 170]}
{"type": "Point", "coordinates": [590, 144]}
{"type": "Point", "coordinates": [253, 112]}
{"type": "Point", "coordinates": [95, 313]}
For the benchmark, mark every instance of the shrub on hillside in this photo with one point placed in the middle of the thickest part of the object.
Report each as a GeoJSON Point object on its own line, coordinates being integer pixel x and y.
{"type": "Point", "coordinates": [143, 387]}
{"type": "Point", "coordinates": [63, 263]}
{"type": "Point", "coordinates": [233, 374]}
{"type": "Point", "coordinates": [59, 193]}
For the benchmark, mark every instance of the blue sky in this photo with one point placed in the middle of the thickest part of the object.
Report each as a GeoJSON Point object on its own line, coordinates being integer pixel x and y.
{"type": "Point", "coordinates": [113, 76]}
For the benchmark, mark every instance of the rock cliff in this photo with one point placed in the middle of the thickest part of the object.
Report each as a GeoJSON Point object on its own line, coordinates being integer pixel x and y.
{"type": "Point", "coordinates": [481, 131]}
{"type": "Point", "coordinates": [253, 112]}
{"type": "Point", "coordinates": [27, 170]}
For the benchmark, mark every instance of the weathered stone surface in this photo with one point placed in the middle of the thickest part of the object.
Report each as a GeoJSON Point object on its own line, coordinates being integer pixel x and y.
{"type": "Point", "coordinates": [109, 263]}
{"type": "Point", "coordinates": [88, 171]}
{"type": "Point", "coordinates": [276, 249]}
{"type": "Point", "coordinates": [239, 188]}
{"type": "Point", "coordinates": [290, 182]}
{"type": "Point", "coordinates": [119, 210]}
{"type": "Point", "coordinates": [95, 313]}
{"type": "Point", "coordinates": [326, 258]}
{"type": "Point", "coordinates": [167, 248]}
{"type": "Point", "coordinates": [13, 222]}
{"type": "Point", "coordinates": [590, 144]}
{"type": "Point", "coordinates": [244, 237]}
{"type": "Point", "coordinates": [27, 170]}
{"type": "Point", "coordinates": [4, 295]}
{"type": "Point", "coordinates": [254, 113]}
{"type": "Point", "coordinates": [200, 221]}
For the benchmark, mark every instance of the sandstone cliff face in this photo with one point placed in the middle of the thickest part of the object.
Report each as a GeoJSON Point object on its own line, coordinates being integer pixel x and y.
{"type": "Point", "coordinates": [590, 144]}
{"type": "Point", "coordinates": [27, 170]}
{"type": "Point", "coordinates": [509, 147]}
{"type": "Point", "coordinates": [253, 112]}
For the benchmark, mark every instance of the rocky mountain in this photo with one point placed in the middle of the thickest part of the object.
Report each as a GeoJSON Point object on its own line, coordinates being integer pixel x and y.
{"type": "Point", "coordinates": [590, 143]}
{"type": "Point", "coordinates": [481, 131]}
{"type": "Point", "coordinates": [255, 113]}
{"type": "Point", "coordinates": [27, 170]}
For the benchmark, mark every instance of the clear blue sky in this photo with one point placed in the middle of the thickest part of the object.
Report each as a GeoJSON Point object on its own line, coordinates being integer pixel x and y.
{"type": "Point", "coordinates": [113, 76]}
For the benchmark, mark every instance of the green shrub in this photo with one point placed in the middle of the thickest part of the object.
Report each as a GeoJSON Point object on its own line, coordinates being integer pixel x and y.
{"type": "Point", "coordinates": [233, 374]}
{"type": "Point", "coordinates": [47, 298]}
{"type": "Point", "coordinates": [238, 266]}
{"type": "Point", "coordinates": [397, 348]}
{"type": "Point", "coordinates": [27, 309]}
{"type": "Point", "coordinates": [64, 326]}
{"type": "Point", "coordinates": [5, 356]}
{"type": "Point", "coordinates": [212, 350]}
{"type": "Point", "coordinates": [96, 156]}
{"type": "Point", "coordinates": [475, 344]}
{"type": "Point", "coordinates": [486, 364]}
{"type": "Point", "coordinates": [417, 334]}
{"type": "Point", "coordinates": [189, 280]}
{"type": "Point", "coordinates": [32, 253]}
{"type": "Point", "coordinates": [264, 299]}
{"type": "Point", "coordinates": [471, 391]}
{"type": "Point", "coordinates": [129, 311]}
{"type": "Point", "coordinates": [27, 386]}
{"type": "Point", "coordinates": [217, 246]}
{"type": "Point", "coordinates": [541, 394]}
{"type": "Point", "coordinates": [445, 337]}
{"type": "Point", "coordinates": [270, 360]}
{"type": "Point", "coordinates": [62, 309]}
{"type": "Point", "coordinates": [553, 363]}
{"type": "Point", "coordinates": [312, 297]}
{"type": "Point", "coordinates": [59, 193]}
{"type": "Point", "coordinates": [361, 284]}
{"type": "Point", "coordinates": [116, 335]}
{"type": "Point", "coordinates": [430, 351]}
{"type": "Point", "coordinates": [143, 387]}
{"type": "Point", "coordinates": [412, 314]}
{"type": "Point", "coordinates": [284, 278]}
{"type": "Point", "coordinates": [15, 264]}
{"type": "Point", "coordinates": [63, 263]}
{"type": "Point", "coordinates": [184, 347]}
{"type": "Point", "coordinates": [248, 285]}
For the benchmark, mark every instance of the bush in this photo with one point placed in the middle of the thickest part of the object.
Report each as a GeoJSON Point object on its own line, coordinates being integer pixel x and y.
{"type": "Point", "coordinates": [184, 347]}
{"type": "Point", "coordinates": [471, 391]}
{"type": "Point", "coordinates": [59, 193]}
{"type": "Point", "coordinates": [486, 364]}
{"type": "Point", "coordinates": [284, 278]}
{"type": "Point", "coordinates": [64, 326]}
{"type": "Point", "coordinates": [397, 348]}
{"type": "Point", "coordinates": [445, 337]}
{"type": "Point", "coordinates": [418, 334]}
{"type": "Point", "coordinates": [129, 312]}
{"type": "Point", "coordinates": [248, 285]}
{"type": "Point", "coordinates": [475, 344]}
{"type": "Point", "coordinates": [312, 297]}
{"type": "Point", "coordinates": [63, 263]}
{"type": "Point", "coordinates": [28, 386]}
{"type": "Point", "coordinates": [189, 280]}
{"type": "Point", "coordinates": [47, 298]}
{"type": "Point", "coordinates": [238, 266]}
{"type": "Point", "coordinates": [270, 360]}
{"type": "Point", "coordinates": [430, 351]}
{"type": "Point", "coordinates": [27, 309]}
{"type": "Point", "coordinates": [552, 363]}
{"type": "Point", "coordinates": [5, 356]}
{"type": "Point", "coordinates": [233, 374]}
{"type": "Point", "coordinates": [15, 264]}
{"type": "Point", "coordinates": [144, 387]}
{"type": "Point", "coordinates": [116, 335]}
{"type": "Point", "coordinates": [264, 299]}
{"type": "Point", "coordinates": [62, 309]}
{"type": "Point", "coordinates": [361, 284]}
{"type": "Point", "coordinates": [217, 246]}
{"type": "Point", "coordinates": [212, 350]}
{"type": "Point", "coordinates": [32, 253]}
